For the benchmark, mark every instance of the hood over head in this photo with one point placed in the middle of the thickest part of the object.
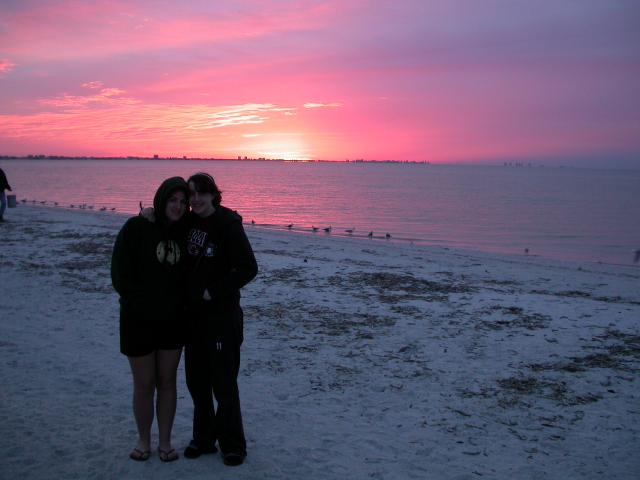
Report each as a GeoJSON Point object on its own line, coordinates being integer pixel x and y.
{"type": "Point", "coordinates": [165, 190]}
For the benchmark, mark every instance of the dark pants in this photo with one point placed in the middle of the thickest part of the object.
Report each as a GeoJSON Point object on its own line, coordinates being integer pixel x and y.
{"type": "Point", "coordinates": [212, 363]}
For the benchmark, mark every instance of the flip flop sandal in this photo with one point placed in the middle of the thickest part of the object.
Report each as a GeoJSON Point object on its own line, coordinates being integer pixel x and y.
{"type": "Point", "coordinates": [139, 455]}
{"type": "Point", "coordinates": [168, 455]}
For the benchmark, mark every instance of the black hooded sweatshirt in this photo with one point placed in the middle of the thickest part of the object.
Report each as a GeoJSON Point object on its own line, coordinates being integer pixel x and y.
{"type": "Point", "coordinates": [221, 260]}
{"type": "Point", "coordinates": [4, 184]}
{"type": "Point", "coordinates": [148, 266]}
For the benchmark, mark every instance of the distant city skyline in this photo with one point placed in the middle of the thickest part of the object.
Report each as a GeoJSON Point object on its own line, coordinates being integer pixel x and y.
{"type": "Point", "coordinates": [456, 81]}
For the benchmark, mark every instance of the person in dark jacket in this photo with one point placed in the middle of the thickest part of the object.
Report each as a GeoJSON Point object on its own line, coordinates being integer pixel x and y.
{"type": "Point", "coordinates": [221, 262]}
{"type": "Point", "coordinates": [148, 270]}
{"type": "Point", "coordinates": [4, 185]}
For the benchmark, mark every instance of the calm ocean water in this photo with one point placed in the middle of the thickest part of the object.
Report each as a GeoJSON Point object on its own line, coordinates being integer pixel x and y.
{"type": "Point", "coordinates": [564, 213]}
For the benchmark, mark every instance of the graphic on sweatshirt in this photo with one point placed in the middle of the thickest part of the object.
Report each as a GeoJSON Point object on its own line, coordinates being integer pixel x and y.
{"type": "Point", "coordinates": [168, 251]}
{"type": "Point", "coordinates": [210, 251]}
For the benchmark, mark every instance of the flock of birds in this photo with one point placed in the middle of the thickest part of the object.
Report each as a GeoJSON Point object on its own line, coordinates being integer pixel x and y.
{"type": "Point", "coordinates": [81, 206]}
{"type": "Point", "coordinates": [349, 231]}
{"type": "Point", "coordinates": [328, 229]}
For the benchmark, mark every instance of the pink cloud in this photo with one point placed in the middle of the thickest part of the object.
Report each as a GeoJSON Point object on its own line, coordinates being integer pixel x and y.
{"type": "Point", "coordinates": [322, 105]}
{"type": "Point", "coordinates": [6, 66]}
{"type": "Point", "coordinates": [105, 28]}
{"type": "Point", "coordinates": [105, 96]}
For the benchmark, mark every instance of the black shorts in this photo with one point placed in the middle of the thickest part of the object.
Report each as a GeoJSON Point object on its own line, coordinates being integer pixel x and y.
{"type": "Point", "coordinates": [140, 337]}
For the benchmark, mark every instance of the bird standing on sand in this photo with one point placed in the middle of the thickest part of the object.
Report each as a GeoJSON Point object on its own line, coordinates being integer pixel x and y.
{"type": "Point", "coordinates": [328, 229]}
{"type": "Point", "coordinates": [350, 230]}
{"type": "Point", "coordinates": [636, 257]}
{"type": "Point", "coordinates": [290, 226]}
{"type": "Point", "coordinates": [315, 229]}
{"type": "Point", "coordinates": [388, 235]}
{"type": "Point", "coordinates": [370, 235]}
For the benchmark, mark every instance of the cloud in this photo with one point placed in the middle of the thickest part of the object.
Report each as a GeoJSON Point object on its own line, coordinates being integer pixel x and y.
{"type": "Point", "coordinates": [105, 28]}
{"type": "Point", "coordinates": [322, 105]}
{"type": "Point", "coordinates": [105, 96]}
{"type": "Point", "coordinates": [6, 66]}
{"type": "Point", "coordinates": [93, 85]}
{"type": "Point", "coordinates": [247, 114]}
{"type": "Point", "coordinates": [108, 115]}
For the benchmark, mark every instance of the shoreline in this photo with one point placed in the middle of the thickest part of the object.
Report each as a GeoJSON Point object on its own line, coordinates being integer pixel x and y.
{"type": "Point", "coordinates": [361, 359]}
{"type": "Point", "coordinates": [377, 239]}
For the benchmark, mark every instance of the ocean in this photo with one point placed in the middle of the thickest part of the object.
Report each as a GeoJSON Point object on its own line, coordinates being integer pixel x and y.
{"type": "Point", "coordinates": [564, 213]}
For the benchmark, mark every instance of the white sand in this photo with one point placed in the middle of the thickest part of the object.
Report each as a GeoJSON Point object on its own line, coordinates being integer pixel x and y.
{"type": "Point", "coordinates": [362, 359]}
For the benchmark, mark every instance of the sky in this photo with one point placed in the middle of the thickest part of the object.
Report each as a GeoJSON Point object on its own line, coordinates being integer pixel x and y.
{"type": "Point", "coordinates": [418, 80]}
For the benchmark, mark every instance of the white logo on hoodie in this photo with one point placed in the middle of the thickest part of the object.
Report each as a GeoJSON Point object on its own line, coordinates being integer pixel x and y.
{"type": "Point", "coordinates": [168, 251]}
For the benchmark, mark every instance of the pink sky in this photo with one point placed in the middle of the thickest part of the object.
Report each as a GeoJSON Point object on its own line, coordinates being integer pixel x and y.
{"type": "Point", "coordinates": [437, 80]}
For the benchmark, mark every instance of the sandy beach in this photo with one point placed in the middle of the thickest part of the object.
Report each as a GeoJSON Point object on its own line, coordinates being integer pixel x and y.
{"type": "Point", "coordinates": [362, 359]}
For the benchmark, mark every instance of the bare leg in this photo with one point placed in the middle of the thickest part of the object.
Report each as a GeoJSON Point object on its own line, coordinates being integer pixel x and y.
{"type": "Point", "coordinates": [167, 364]}
{"type": "Point", "coordinates": [144, 384]}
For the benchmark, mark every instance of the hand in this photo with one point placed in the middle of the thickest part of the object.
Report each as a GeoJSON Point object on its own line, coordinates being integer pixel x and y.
{"type": "Point", "coordinates": [206, 295]}
{"type": "Point", "coordinates": [148, 213]}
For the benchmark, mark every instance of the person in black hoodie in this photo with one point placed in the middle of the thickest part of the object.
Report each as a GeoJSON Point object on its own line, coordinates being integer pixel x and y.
{"type": "Point", "coordinates": [148, 270]}
{"type": "Point", "coordinates": [4, 185]}
{"type": "Point", "coordinates": [221, 262]}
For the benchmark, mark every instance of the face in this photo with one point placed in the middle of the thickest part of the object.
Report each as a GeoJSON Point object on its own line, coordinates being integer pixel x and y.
{"type": "Point", "coordinates": [201, 202]}
{"type": "Point", "coordinates": [176, 206]}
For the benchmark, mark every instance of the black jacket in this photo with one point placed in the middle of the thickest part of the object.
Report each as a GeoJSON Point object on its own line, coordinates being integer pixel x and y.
{"type": "Point", "coordinates": [4, 184]}
{"type": "Point", "coordinates": [221, 260]}
{"type": "Point", "coordinates": [148, 265]}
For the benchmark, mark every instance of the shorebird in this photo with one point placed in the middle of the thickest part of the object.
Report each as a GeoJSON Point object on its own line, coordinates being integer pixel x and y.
{"type": "Point", "coordinates": [388, 235]}
{"type": "Point", "coordinates": [113, 209]}
{"type": "Point", "coordinates": [526, 251]}
{"type": "Point", "coordinates": [290, 226]}
{"type": "Point", "coordinates": [327, 229]}
{"type": "Point", "coordinates": [55, 203]}
{"type": "Point", "coordinates": [72, 206]}
{"type": "Point", "coordinates": [103, 209]}
{"type": "Point", "coordinates": [636, 256]}
{"type": "Point", "coordinates": [253, 222]}
{"type": "Point", "coordinates": [24, 200]}
{"type": "Point", "coordinates": [43, 202]}
{"type": "Point", "coordinates": [370, 235]}
{"type": "Point", "coordinates": [350, 230]}
{"type": "Point", "coordinates": [315, 229]}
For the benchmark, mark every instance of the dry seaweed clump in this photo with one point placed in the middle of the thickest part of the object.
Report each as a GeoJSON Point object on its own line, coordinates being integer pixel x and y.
{"type": "Point", "coordinates": [617, 351]}
{"type": "Point", "coordinates": [512, 317]}
{"type": "Point", "coordinates": [514, 389]}
{"type": "Point", "coordinates": [386, 281]}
